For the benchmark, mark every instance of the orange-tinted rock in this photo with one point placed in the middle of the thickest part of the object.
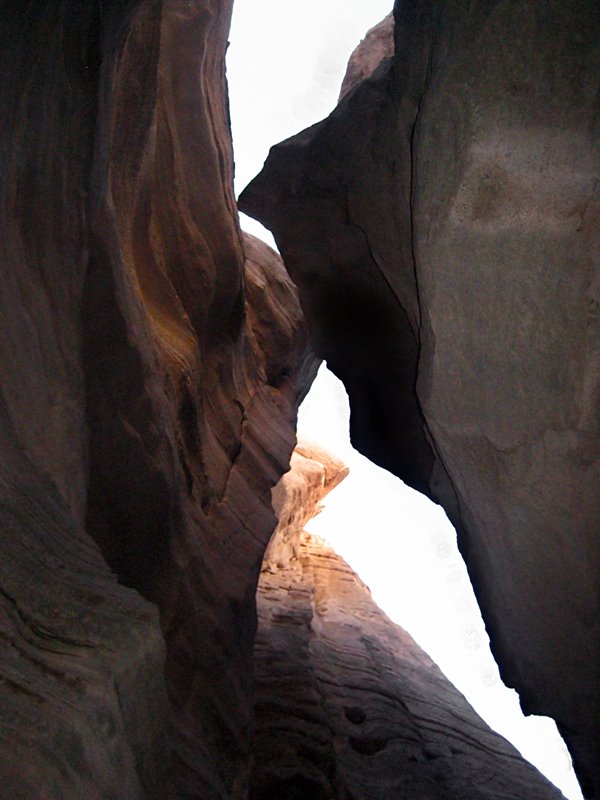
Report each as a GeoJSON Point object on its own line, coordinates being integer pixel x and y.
{"type": "Point", "coordinates": [347, 704]}
{"type": "Point", "coordinates": [149, 394]}
{"type": "Point", "coordinates": [442, 226]}
{"type": "Point", "coordinates": [313, 473]}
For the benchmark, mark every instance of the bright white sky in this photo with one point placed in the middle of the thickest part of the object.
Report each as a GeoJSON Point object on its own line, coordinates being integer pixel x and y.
{"type": "Point", "coordinates": [285, 66]}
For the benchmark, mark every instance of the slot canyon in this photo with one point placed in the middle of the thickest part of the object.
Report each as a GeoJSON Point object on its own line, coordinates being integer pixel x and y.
{"type": "Point", "coordinates": [168, 628]}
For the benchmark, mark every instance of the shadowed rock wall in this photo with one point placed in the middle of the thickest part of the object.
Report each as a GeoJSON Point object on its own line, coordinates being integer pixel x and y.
{"type": "Point", "coordinates": [347, 704]}
{"type": "Point", "coordinates": [152, 362]}
{"type": "Point", "coordinates": [443, 228]}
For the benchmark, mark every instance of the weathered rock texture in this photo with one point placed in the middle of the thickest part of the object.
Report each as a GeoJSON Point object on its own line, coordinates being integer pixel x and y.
{"type": "Point", "coordinates": [443, 226]}
{"type": "Point", "coordinates": [148, 402]}
{"type": "Point", "coordinates": [347, 704]}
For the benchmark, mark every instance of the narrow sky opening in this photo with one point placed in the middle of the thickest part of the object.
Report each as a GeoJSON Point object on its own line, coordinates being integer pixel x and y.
{"type": "Point", "coordinates": [285, 66]}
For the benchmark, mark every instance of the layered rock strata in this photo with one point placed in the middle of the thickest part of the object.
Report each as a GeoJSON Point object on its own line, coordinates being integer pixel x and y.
{"type": "Point", "coordinates": [443, 227]}
{"type": "Point", "coordinates": [152, 362]}
{"type": "Point", "coordinates": [347, 704]}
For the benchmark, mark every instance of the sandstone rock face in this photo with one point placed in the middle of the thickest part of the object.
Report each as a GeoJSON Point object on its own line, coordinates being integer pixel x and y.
{"type": "Point", "coordinates": [152, 361]}
{"type": "Point", "coordinates": [347, 704]}
{"type": "Point", "coordinates": [443, 228]}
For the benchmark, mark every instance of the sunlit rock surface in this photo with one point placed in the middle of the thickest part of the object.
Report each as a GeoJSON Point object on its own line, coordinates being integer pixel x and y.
{"type": "Point", "coordinates": [147, 407]}
{"type": "Point", "coordinates": [443, 225]}
{"type": "Point", "coordinates": [347, 704]}
{"type": "Point", "coordinates": [313, 473]}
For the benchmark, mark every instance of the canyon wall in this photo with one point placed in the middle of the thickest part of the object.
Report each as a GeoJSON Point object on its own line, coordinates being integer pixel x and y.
{"type": "Point", "coordinates": [443, 227]}
{"type": "Point", "coordinates": [347, 704]}
{"type": "Point", "coordinates": [152, 361]}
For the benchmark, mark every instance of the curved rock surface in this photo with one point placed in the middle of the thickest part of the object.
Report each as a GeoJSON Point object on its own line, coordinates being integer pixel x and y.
{"type": "Point", "coordinates": [347, 704]}
{"type": "Point", "coordinates": [443, 228]}
{"type": "Point", "coordinates": [152, 362]}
